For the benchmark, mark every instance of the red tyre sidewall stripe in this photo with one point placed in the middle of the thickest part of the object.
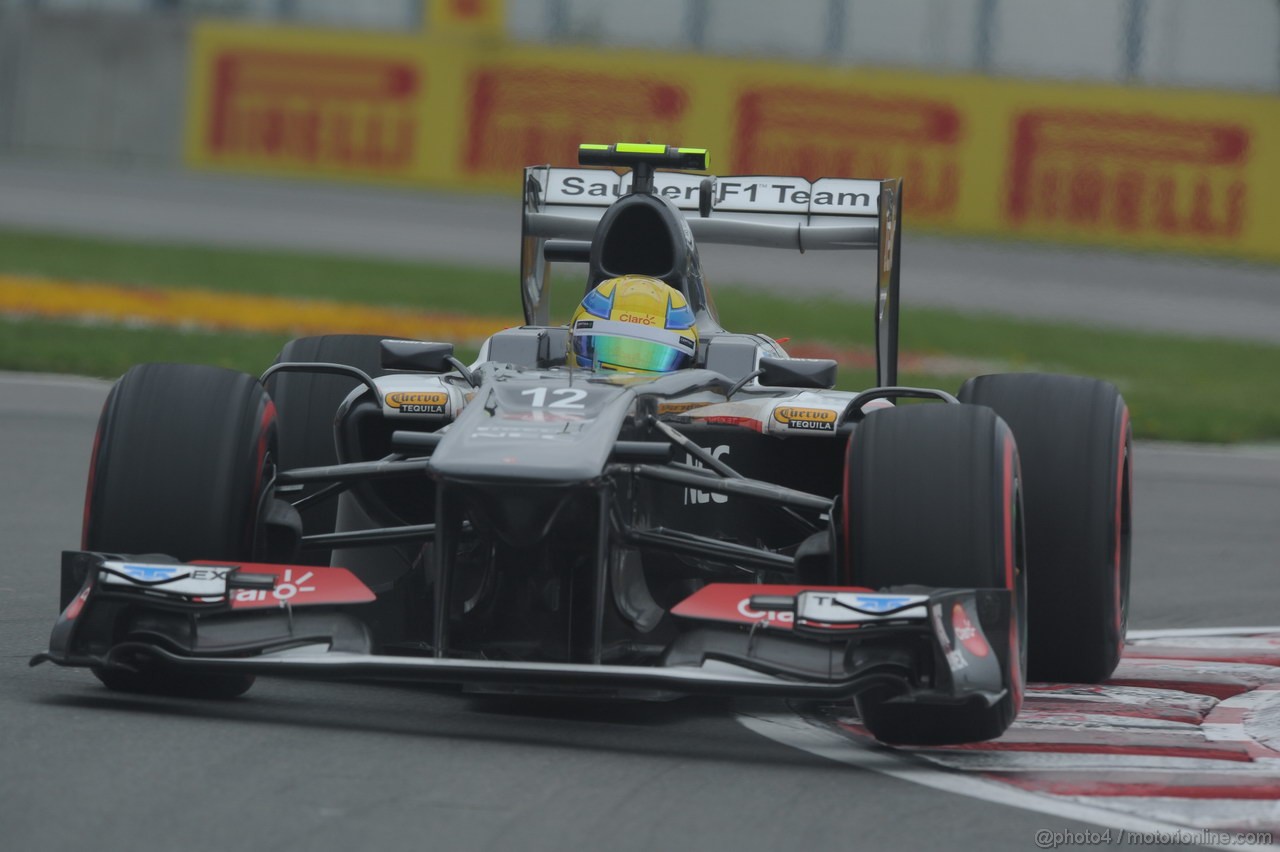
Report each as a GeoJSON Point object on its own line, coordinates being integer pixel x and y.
{"type": "Point", "coordinates": [264, 429]}
{"type": "Point", "coordinates": [1015, 646]}
{"type": "Point", "coordinates": [1121, 468]}
{"type": "Point", "coordinates": [264, 435]}
{"type": "Point", "coordinates": [88, 489]}
{"type": "Point", "coordinates": [92, 479]}
{"type": "Point", "coordinates": [1008, 509]}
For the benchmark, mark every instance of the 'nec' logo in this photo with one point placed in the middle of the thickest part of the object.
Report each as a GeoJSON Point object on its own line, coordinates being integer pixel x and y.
{"type": "Point", "coordinates": [697, 495]}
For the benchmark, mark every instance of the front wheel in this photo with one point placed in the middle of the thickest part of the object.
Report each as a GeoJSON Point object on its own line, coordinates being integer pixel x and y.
{"type": "Point", "coordinates": [1076, 445]}
{"type": "Point", "coordinates": [182, 464]}
{"type": "Point", "coordinates": [933, 498]}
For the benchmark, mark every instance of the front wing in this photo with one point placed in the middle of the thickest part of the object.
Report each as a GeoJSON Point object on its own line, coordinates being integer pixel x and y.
{"type": "Point", "coordinates": [827, 643]}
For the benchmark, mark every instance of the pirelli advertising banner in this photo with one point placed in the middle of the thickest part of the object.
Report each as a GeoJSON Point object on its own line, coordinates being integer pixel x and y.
{"type": "Point", "coordinates": [308, 103]}
{"type": "Point", "coordinates": [1105, 165]}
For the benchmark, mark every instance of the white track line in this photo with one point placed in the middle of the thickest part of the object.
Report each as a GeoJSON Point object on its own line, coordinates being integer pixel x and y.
{"type": "Point", "coordinates": [797, 732]}
{"type": "Point", "coordinates": [791, 730]}
{"type": "Point", "coordinates": [1175, 632]}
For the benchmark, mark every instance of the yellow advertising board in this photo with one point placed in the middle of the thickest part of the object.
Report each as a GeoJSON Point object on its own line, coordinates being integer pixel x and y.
{"type": "Point", "coordinates": [1141, 168]}
{"type": "Point", "coordinates": [466, 17]}
{"type": "Point", "coordinates": [1147, 169]}
{"type": "Point", "coordinates": [307, 103]}
{"type": "Point", "coordinates": [1107, 165]}
{"type": "Point", "coordinates": [519, 106]}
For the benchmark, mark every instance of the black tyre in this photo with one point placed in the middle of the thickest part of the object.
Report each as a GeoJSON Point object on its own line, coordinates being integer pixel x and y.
{"type": "Point", "coordinates": [306, 404]}
{"type": "Point", "coordinates": [1076, 445]}
{"type": "Point", "coordinates": [932, 497]}
{"type": "Point", "coordinates": [181, 465]}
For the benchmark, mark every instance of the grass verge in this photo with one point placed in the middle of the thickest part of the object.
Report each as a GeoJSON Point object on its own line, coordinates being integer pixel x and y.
{"type": "Point", "coordinates": [1177, 388]}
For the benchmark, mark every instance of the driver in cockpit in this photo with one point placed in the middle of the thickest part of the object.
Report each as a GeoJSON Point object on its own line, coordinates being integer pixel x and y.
{"type": "Point", "coordinates": [634, 323]}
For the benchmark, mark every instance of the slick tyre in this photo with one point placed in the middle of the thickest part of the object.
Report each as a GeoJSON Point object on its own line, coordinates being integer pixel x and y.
{"type": "Point", "coordinates": [932, 497]}
{"type": "Point", "coordinates": [306, 404]}
{"type": "Point", "coordinates": [1076, 445]}
{"type": "Point", "coordinates": [181, 465]}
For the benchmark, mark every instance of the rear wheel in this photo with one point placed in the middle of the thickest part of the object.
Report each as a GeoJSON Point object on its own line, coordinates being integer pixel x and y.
{"type": "Point", "coordinates": [1076, 444]}
{"type": "Point", "coordinates": [307, 403]}
{"type": "Point", "coordinates": [932, 498]}
{"type": "Point", "coordinates": [182, 464]}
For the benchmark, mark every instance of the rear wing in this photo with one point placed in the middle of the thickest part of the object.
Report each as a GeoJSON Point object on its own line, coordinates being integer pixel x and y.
{"type": "Point", "coordinates": [749, 210]}
{"type": "Point", "coordinates": [756, 210]}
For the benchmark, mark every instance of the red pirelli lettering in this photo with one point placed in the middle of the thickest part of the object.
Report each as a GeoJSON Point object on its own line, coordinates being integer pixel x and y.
{"type": "Point", "coordinates": [824, 132]}
{"type": "Point", "coordinates": [1127, 173]}
{"type": "Point", "coordinates": [314, 109]}
{"type": "Point", "coordinates": [519, 116]}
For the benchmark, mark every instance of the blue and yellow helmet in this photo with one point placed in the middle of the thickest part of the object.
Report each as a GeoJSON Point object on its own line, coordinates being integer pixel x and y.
{"type": "Point", "coordinates": [634, 323]}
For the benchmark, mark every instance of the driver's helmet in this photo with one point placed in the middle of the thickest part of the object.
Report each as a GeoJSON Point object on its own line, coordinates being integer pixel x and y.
{"type": "Point", "coordinates": [634, 323]}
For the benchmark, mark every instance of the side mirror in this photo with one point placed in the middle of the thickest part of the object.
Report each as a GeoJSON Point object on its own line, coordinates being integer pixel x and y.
{"type": "Point", "coordinates": [797, 372]}
{"type": "Point", "coordinates": [417, 356]}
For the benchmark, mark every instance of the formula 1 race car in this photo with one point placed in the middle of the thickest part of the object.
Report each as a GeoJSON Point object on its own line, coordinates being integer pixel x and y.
{"type": "Point", "coordinates": [378, 509]}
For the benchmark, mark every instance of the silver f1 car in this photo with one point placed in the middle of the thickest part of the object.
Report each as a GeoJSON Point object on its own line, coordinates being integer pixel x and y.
{"type": "Point", "coordinates": [377, 509]}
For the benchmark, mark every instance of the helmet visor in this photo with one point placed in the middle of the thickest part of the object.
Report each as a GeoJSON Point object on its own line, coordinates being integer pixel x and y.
{"type": "Point", "coordinates": [607, 352]}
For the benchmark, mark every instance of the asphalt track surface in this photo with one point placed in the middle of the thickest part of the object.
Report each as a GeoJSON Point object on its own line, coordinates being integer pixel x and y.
{"type": "Point", "coordinates": [1190, 296]}
{"type": "Point", "coordinates": [327, 766]}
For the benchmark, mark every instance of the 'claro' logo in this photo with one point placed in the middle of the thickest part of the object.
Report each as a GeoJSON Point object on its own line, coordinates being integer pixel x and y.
{"type": "Point", "coordinates": [772, 616]}
{"type": "Point", "coordinates": [639, 319]}
{"type": "Point", "coordinates": [808, 419]}
{"type": "Point", "coordinates": [418, 402]}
